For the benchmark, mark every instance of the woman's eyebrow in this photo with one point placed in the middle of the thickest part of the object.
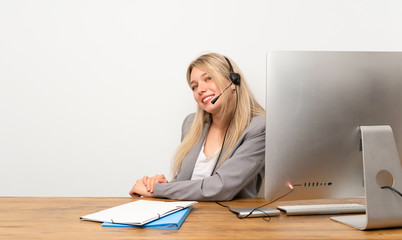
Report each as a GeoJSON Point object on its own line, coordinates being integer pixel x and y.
{"type": "Point", "coordinates": [202, 75]}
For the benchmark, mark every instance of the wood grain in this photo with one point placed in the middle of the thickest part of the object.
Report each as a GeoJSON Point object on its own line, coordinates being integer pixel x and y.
{"type": "Point", "coordinates": [58, 218]}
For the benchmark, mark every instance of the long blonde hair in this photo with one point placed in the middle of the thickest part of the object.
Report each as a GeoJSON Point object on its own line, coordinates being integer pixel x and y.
{"type": "Point", "coordinates": [218, 69]}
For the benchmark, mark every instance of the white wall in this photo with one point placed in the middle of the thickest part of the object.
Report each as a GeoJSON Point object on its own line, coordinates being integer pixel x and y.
{"type": "Point", "coordinates": [93, 93]}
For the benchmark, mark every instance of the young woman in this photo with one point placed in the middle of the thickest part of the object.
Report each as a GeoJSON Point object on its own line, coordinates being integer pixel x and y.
{"type": "Point", "coordinates": [223, 144]}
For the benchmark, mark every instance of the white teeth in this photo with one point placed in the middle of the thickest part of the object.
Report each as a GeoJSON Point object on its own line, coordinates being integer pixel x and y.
{"type": "Point", "coordinates": [206, 99]}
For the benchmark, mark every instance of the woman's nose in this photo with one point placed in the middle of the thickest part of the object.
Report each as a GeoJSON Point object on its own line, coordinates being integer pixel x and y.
{"type": "Point", "coordinates": [201, 88]}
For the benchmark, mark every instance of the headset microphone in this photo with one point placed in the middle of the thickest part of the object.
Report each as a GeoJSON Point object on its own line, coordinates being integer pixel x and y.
{"type": "Point", "coordinates": [216, 99]}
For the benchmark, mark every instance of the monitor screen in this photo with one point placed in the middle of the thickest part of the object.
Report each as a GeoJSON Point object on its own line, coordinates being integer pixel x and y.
{"type": "Point", "coordinates": [316, 102]}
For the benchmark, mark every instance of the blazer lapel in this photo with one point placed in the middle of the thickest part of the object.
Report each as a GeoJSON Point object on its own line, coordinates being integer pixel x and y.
{"type": "Point", "coordinates": [188, 164]}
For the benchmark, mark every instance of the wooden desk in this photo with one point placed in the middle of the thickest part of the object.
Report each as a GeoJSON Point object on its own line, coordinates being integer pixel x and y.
{"type": "Point", "coordinates": [58, 218]}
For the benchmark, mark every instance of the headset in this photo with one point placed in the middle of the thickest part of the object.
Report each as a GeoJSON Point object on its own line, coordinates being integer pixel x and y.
{"type": "Point", "coordinates": [234, 77]}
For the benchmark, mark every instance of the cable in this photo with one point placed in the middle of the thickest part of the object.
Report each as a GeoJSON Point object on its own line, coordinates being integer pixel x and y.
{"type": "Point", "coordinates": [224, 137]}
{"type": "Point", "coordinates": [392, 189]}
{"type": "Point", "coordinates": [266, 218]}
{"type": "Point", "coordinates": [258, 208]}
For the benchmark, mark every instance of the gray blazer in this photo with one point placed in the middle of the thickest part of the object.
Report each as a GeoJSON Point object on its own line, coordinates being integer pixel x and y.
{"type": "Point", "coordinates": [239, 176]}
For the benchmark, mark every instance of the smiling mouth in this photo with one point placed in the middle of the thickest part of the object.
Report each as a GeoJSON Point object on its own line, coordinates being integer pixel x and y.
{"type": "Point", "coordinates": [206, 99]}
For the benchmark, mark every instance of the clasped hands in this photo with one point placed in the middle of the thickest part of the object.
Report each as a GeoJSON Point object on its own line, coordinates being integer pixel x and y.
{"type": "Point", "coordinates": [145, 186]}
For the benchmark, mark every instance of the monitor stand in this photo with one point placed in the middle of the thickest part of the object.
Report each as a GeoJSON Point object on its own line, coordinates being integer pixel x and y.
{"type": "Point", "coordinates": [382, 167]}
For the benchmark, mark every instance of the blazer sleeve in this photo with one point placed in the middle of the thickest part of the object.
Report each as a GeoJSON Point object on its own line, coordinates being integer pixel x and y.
{"type": "Point", "coordinates": [242, 167]}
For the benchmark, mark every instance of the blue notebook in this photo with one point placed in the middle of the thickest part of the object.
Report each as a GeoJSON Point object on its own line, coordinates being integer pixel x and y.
{"type": "Point", "coordinates": [172, 221]}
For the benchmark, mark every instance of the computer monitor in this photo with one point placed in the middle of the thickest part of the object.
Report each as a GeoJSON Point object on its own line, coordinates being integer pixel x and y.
{"type": "Point", "coordinates": [316, 105]}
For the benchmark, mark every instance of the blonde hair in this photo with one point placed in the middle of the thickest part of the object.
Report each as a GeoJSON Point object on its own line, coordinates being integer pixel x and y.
{"type": "Point", "coordinates": [218, 69]}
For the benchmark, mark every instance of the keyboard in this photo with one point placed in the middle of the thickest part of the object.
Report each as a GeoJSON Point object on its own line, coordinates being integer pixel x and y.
{"type": "Point", "coordinates": [323, 209]}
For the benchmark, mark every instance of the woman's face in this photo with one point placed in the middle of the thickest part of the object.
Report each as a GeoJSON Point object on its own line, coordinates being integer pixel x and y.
{"type": "Point", "coordinates": [204, 90]}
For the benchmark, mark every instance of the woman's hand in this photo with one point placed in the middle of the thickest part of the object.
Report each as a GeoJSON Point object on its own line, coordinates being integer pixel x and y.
{"type": "Point", "coordinates": [149, 182]}
{"type": "Point", "coordinates": [145, 186]}
{"type": "Point", "coordinates": [139, 189]}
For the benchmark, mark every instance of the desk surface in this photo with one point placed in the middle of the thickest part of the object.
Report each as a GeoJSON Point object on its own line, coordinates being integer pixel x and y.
{"type": "Point", "coordinates": [58, 218]}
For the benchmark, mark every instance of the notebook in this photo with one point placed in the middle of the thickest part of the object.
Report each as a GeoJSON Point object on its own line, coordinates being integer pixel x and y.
{"type": "Point", "coordinates": [138, 212]}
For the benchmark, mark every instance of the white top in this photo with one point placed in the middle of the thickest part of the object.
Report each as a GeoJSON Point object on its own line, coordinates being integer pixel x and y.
{"type": "Point", "coordinates": [204, 166]}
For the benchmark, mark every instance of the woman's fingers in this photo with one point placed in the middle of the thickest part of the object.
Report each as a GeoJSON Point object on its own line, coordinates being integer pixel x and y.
{"type": "Point", "coordinates": [144, 180]}
{"type": "Point", "coordinates": [149, 182]}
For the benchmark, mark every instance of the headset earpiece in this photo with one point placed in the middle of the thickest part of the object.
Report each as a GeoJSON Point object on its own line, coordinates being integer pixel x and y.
{"type": "Point", "coordinates": [234, 77]}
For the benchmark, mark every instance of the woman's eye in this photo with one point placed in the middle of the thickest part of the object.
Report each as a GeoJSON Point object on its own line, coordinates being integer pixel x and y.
{"type": "Point", "coordinates": [208, 78]}
{"type": "Point", "coordinates": [194, 87]}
